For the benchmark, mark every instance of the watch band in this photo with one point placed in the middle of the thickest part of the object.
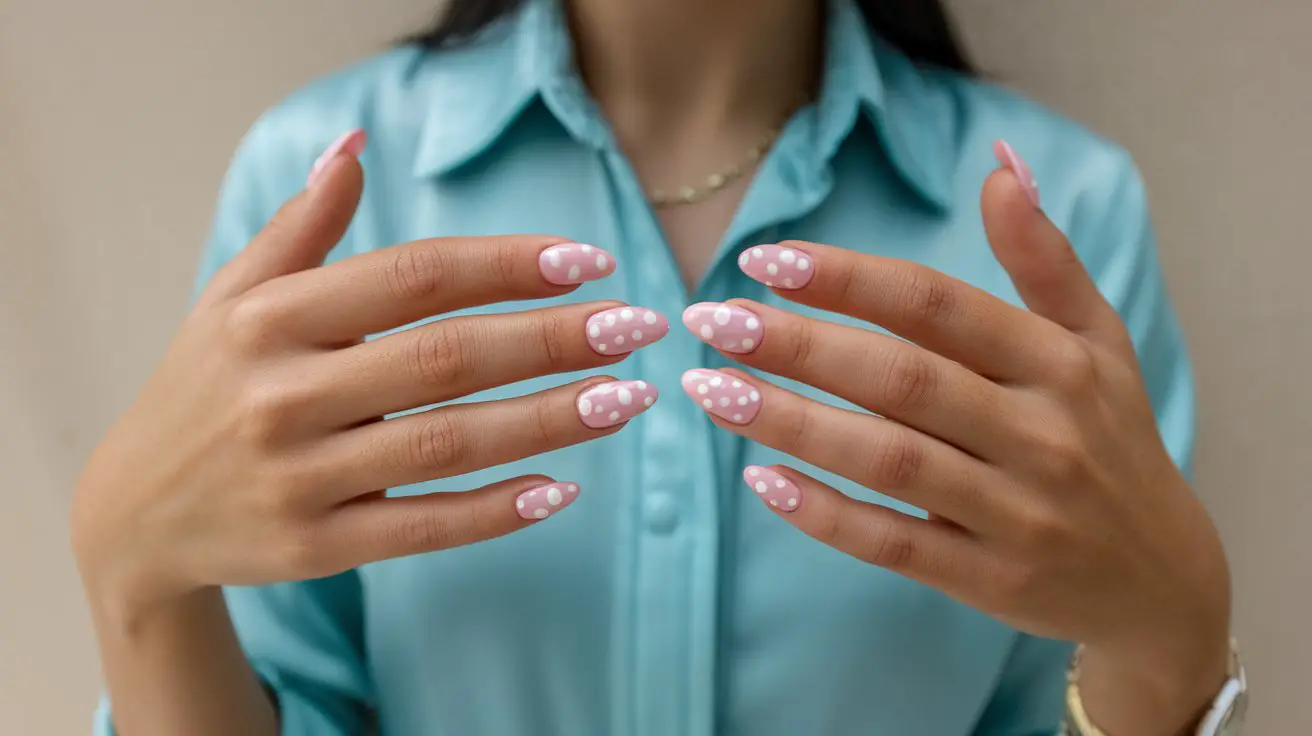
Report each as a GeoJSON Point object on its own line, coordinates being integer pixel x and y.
{"type": "Point", "coordinates": [1224, 716]}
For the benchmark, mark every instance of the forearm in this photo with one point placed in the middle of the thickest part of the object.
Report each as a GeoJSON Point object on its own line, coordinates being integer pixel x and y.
{"type": "Point", "coordinates": [180, 669]}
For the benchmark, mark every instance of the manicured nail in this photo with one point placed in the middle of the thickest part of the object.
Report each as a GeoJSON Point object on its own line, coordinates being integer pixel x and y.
{"type": "Point", "coordinates": [615, 402]}
{"type": "Point", "coordinates": [727, 397]}
{"type": "Point", "coordinates": [574, 263]}
{"type": "Point", "coordinates": [1008, 157]}
{"type": "Point", "coordinates": [773, 488]}
{"type": "Point", "coordinates": [775, 265]}
{"type": "Point", "coordinates": [350, 143]}
{"type": "Point", "coordinates": [543, 501]}
{"type": "Point", "coordinates": [729, 328]}
{"type": "Point", "coordinates": [625, 329]}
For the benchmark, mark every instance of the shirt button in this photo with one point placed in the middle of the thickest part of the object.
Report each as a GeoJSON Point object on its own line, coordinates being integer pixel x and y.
{"type": "Point", "coordinates": [661, 513]}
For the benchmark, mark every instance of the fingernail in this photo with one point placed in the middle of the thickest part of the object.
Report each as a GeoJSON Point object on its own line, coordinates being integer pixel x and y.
{"type": "Point", "coordinates": [574, 263]}
{"type": "Point", "coordinates": [615, 402]}
{"type": "Point", "coordinates": [727, 397]}
{"type": "Point", "coordinates": [729, 328]}
{"type": "Point", "coordinates": [773, 488]}
{"type": "Point", "coordinates": [543, 501]}
{"type": "Point", "coordinates": [1008, 157]}
{"type": "Point", "coordinates": [775, 265]}
{"type": "Point", "coordinates": [350, 143]}
{"type": "Point", "coordinates": [625, 329]}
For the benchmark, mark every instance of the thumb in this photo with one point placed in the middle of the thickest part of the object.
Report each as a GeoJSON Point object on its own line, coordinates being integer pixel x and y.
{"type": "Point", "coordinates": [303, 230]}
{"type": "Point", "coordinates": [1041, 262]}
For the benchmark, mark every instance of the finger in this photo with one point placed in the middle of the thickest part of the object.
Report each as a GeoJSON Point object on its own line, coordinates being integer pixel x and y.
{"type": "Point", "coordinates": [384, 528]}
{"type": "Point", "coordinates": [930, 552]}
{"type": "Point", "coordinates": [461, 438]}
{"type": "Point", "coordinates": [305, 228]}
{"type": "Point", "coordinates": [872, 451]}
{"type": "Point", "coordinates": [1044, 267]}
{"type": "Point", "coordinates": [888, 376]}
{"type": "Point", "coordinates": [391, 287]}
{"type": "Point", "coordinates": [455, 357]}
{"type": "Point", "coordinates": [933, 310]}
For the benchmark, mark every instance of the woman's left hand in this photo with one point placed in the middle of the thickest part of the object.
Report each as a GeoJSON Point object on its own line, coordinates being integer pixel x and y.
{"type": "Point", "coordinates": [1028, 436]}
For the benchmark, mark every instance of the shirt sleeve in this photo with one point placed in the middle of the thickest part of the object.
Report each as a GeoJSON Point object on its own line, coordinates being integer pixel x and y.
{"type": "Point", "coordinates": [1111, 229]}
{"type": "Point", "coordinates": [304, 639]}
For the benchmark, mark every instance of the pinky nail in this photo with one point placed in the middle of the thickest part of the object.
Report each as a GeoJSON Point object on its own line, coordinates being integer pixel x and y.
{"type": "Point", "coordinates": [616, 402]}
{"type": "Point", "coordinates": [566, 264]}
{"type": "Point", "coordinates": [350, 143]}
{"type": "Point", "coordinates": [777, 266]}
{"type": "Point", "coordinates": [773, 488]}
{"type": "Point", "coordinates": [543, 501]}
{"type": "Point", "coordinates": [1008, 157]}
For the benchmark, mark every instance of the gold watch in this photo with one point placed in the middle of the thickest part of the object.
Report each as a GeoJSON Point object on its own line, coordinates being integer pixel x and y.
{"type": "Point", "coordinates": [1224, 718]}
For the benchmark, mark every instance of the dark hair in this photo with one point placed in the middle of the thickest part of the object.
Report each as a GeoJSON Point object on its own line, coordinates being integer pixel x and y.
{"type": "Point", "coordinates": [920, 29]}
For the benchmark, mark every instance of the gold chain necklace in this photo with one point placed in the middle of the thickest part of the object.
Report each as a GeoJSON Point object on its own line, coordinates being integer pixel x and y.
{"type": "Point", "coordinates": [715, 183]}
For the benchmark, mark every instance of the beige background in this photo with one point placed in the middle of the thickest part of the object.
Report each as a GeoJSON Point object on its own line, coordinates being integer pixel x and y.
{"type": "Point", "coordinates": [116, 121]}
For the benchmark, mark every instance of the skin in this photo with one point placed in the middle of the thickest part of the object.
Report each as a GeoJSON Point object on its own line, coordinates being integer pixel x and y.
{"type": "Point", "coordinates": [254, 453]}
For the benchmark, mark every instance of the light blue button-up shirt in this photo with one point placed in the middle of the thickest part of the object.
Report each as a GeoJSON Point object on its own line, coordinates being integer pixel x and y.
{"type": "Point", "coordinates": [668, 601]}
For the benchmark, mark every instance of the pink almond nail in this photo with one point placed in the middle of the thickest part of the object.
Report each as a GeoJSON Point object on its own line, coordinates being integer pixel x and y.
{"type": "Point", "coordinates": [773, 488]}
{"type": "Point", "coordinates": [545, 500]}
{"type": "Point", "coordinates": [350, 143]}
{"type": "Point", "coordinates": [778, 266]}
{"type": "Point", "coordinates": [615, 402]}
{"type": "Point", "coordinates": [625, 329]}
{"type": "Point", "coordinates": [566, 264]}
{"type": "Point", "coordinates": [1008, 157]}
{"type": "Point", "coordinates": [727, 397]}
{"type": "Point", "coordinates": [724, 326]}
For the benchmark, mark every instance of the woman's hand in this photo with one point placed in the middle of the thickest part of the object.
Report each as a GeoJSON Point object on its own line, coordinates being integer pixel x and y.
{"type": "Point", "coordinates": [1027, 435]}
{"type": "Point", "coordinates": [255, 452]}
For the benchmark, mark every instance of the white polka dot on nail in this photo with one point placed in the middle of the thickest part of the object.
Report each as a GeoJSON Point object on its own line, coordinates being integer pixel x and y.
{"type": "Point", "coordinates": [737, 384]}
{"type": "Point", "coordinates": [748, 343]}
{"type": "Point", "coordinates": [614, 415]}
{"type": "Point", "coordinates": [585, 407]}
{"type": "Point", "coordinates": [761, 487]}
{"type": "Point", "coordinates": [742, 259]}
{"type": "Point", "coordinates": [626, 315]}
{"type": "Point", "coordinates": [757, 252]}
{"type": "Point", "coordinates": [774, 502]}
{"type": "Point", "coordinates": [803, 264]}
{"type": "Point", "coordinates": [706, 332]}
{"type": "Point", "coordinates": [519, 504]}
{"type": "Point", "coordinates": [572, 488]}
{"type": "Point", "coordinates": [594, 330]}
{"type": "Point", "coordinates": [648, 401]}
{"type": "Point", "coordinates": [787, 256]}
{"type": "Point", "coordinates": [706, 403]}
{"type": "Point", "coordinates": [601, 261]}
{"type": "Point", "coordinates": [792, 503]}
{"type": "Point", "coordinates": [789, 283]}
{"type": "Point", "coordinates": [531, 494]}
{"type": "Point", "coordinates": [737, 417]}
{"type": "Point", "coordinates": [702, 389]}
{"type": "Point", "coordinates": [649, 318]}
{"type": "Point", "coordinates": [722, 315]}
{"type": "Point", "coordinates": [642, 385]}
{"type": "Point", "coordinates": [553, 257]}
{"type": "Point", "coordinates": [771, 269]}
{"type": "Point", "coordinates": [626, 398]}
{"type": "Point", "coordinates": [540, 513]}
{"type": "Point", "coordinates": [602, 348]}
{"type": "Point", "coordinates": [610, 320]}
{"type": "Point", "coordinates": [585, 248]}
{"type": "Point", "coordinates": [755, 396]}
{"type": "Point", "coordinates": [553, 496]}
{"type": "Point", "coordinates": [754, 472]}
{"type": "Point", "coordinates": [752, 323]}
{"type": "Point", "coordinates": [573, 274]}
{"type": "Point", "coordinates": [742, 401]}
{"type": "Point", "coordinates": [717, 382]}
{"type": "Point", "coordinates": [780, 483]}
{"type": "Point", "coordinates": [724, 401]}
{"type": "Point", "coordinates": [619, 339]}
{"type": "Point", "coordinates": [637, 334]}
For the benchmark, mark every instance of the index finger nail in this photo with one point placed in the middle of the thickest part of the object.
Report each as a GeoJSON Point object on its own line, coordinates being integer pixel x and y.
{"type": "Point", "coordinates": [777, 266]}
{"type": "Point", "coordinates": [566, 264]}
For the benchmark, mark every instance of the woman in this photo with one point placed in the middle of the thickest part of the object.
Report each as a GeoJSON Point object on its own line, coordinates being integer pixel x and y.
{"type": "Point", "coordinates": [1028, 497]}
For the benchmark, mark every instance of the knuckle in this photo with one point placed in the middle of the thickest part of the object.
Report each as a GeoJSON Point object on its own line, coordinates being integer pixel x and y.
{"type": "Point", "coordinates": [504, 263]}
{"type": "Point", "coordinates": [1073, 369]}
{"type": "Point", "coordinates": [1061, 455]}
{"type": "Point", "coordinates": [542, 423]}
{"type": "Point", "coordinates": [926, 296]}
{"type": "Point", "coordinates": [909, 380]}
{"type": "Point", "coordinates": [442, 355]}
{"type": "Point", "coordinates": [1039, 532]}
{"type": "Point", "coordinates": [251, 321]}
{"type": "Point", "coordinates": [301, 552]}
{"type": "Point", "coordinates": [892, 550]}
{"type": "Point", "coordinates": [551, 330]}
{"type": "Point", "coordinates": [436, 443]}
{"type": "Point", "coordinates": [795, 429]}
{"type": "Point", "coordinates": [1015, 583]}
{"type": "Point", "coordinates": [423, 529]}
{"type": "Point", "coordinates": [415, 272]}
{"type": "Point", "coordinates": [264, 412]}
{"type": "Point", "coordinates": [895, 463]}
{"type": "Point", "coordinates": [801, 345]}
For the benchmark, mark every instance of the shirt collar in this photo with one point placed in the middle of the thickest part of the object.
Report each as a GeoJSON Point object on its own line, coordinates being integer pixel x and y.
{"type": "Point", "coordinates": [478, 91]}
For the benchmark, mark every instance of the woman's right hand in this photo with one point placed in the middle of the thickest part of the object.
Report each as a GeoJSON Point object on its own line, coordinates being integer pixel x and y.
{"type": "Point", "coordinates": [256, 452]}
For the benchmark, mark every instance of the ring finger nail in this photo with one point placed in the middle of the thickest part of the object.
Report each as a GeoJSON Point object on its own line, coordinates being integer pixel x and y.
{"type": "Point", "coordinates": [566, 264]}
{"type": "Point", "coordinates": [727, 397]}
{"type": "Point", "coordinates": [773, 488]}
{"type": "Point", "coordinates": [625, 329]}
{"type": "Point", "coordinates": [608, 404]}
{"type": "Point", "coordinates": [775, 265]}
{"type": "Point", "coordinates": [543, 501]}
{"type": "Point", "coordinates": [729, 328]}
